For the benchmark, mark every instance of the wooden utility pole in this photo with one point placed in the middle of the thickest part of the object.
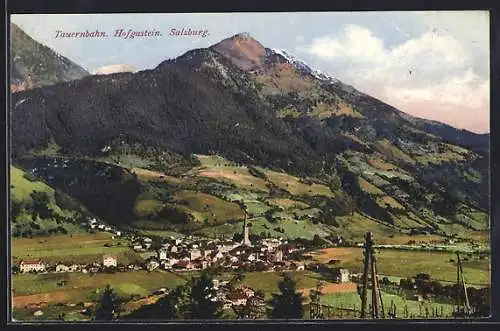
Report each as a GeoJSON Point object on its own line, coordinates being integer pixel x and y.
{"type": "Point", "coordinates": [466, 309]}
{"type": "Point", "coordinates": [370, 276]}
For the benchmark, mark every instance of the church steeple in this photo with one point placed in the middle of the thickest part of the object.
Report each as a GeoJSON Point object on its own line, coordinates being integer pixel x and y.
{"type": "Point", "coordinates": [246, 240]}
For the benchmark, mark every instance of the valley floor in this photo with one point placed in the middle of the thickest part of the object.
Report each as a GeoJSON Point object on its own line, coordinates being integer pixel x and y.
{"type": "Point", "coordinates": [47, 291]}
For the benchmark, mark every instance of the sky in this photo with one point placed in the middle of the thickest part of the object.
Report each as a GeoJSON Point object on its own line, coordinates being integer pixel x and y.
{"type": "Point", "coordinates": [429, 64]}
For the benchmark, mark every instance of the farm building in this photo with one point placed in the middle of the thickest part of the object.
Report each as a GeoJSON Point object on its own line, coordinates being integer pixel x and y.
{"type": "Point", "coordinates": [162, 254]}
{"type": "Point", "coordinates": [31, 265]}
{"type": "Point", "coordinates": [276, 256]}
{"type": "Point", "coordinates": [62, 268]}
{"type": "Point", "coordinates": [194, 254]}
{"type": "Point", "coordinates": [74, 267]}
{"type": "Point", "coordinates": [341, 275]}
{"type": "Point", "coordinates": [108, 261]}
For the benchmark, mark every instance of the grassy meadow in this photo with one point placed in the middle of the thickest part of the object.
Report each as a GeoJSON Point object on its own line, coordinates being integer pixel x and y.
{"type": "Point", "coordinates": [404, 263]}
{"type": "Point", "coordinates": [76, 248]}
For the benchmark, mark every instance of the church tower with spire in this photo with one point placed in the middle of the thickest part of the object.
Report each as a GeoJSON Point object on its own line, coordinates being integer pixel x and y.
{"type": "Point", "coordinates": [246, 240]}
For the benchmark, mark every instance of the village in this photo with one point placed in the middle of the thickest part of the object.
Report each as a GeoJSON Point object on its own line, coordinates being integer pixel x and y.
{"type": "Point", "coordinates": [190, 253]}
{"type": "Point", "coordinates": [178, 255]}
{"type": "Point", "coordinates": [187, 255]}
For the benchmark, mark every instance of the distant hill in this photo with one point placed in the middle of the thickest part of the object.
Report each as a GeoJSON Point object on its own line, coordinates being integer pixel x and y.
{"type": "Point", "coordinates": [34, 65]}
{"type": "Point", "coordinates": [113, 69]}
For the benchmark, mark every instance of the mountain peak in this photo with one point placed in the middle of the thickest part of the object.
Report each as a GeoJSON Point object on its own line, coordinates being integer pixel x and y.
{"type": "Point", "coordinates": [243, 50]}
{"type": "Point", "coordinates": [44, 66]}
{"type": "Point", "coordinates": [242, 35]}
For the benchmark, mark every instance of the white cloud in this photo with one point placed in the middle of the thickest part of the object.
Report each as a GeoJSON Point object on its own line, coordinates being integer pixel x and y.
{"type": "Point", "coordinates": [358, 44]}
{"type": "Point", "coordinates": [432, 73]}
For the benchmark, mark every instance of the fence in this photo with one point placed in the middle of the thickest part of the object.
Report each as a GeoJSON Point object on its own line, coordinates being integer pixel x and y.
{"type": "Point", "coordinates": [425, 311]}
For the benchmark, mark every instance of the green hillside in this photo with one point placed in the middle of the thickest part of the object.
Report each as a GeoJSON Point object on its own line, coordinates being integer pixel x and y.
{"type": "Point", "coordinates": [62, 210]}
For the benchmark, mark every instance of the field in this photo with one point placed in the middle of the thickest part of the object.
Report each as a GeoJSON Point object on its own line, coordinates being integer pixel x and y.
{"type": "Point", "coordinates": [268, 281]}
{"type": "Point", "coordinates": [410, 263]}
{"type": "Point", "coordinates": [33, 292]}
{"type": "Point", "coordinates": [205, 206]}
{"type": "Point", "coordinates": [357, 225]}
{"type": "Point", "coordinates": [333, 288]}
{"type": "Point", "coordinates": [323, 111]}
{"type": "Point", "coordinates": [463, 232]}
{"type": "Point", "coordinates": [386, 147]}
{"type": "Point", "coordinates": [387, 201]}
{"type": "Point", "coordinates": [125, 283]}
{"type": "Point", "coordinates": [294, 185]}
{"type": "Point", "coordinates": [287, 203]}
{"type": "Point", "coordinates": [438, 158]}
{"type": "Point", "coordinates": [151, 175]}
{"type": "Point", "coordinates": [351, 300]}
{"type": "Point", "coordinates": [143, 208]}
{"type": "Point", "coordinates": [381, 164]}
{"type": "Point", "coordinates": [291, 228]}
{"type": "Point", "coordinates": [32, 289]}
{"type": "Point", "coordinates": [77, 248]}
{"type": "Point", "coordinates": [23, 187]}
{"type": "Point", "coordinates": [213, 161]}
{"type": "Point", "coordinates": [369, 187]}
{"type": "Point", "coordinates": [238, 176]}
{"type": "Point", "coordinates": [161, 233]}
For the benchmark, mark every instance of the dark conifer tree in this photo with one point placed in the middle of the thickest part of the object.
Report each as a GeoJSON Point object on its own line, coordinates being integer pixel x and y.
{"type": "Point", "coordinates": [287, 304]}
{"type": "Point", "coordinates": [109, 305]}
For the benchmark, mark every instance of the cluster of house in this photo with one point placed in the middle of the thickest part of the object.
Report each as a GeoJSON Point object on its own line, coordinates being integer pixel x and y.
{"type": "Point", "coordinates": [231, 296]}
{"type": "Point", "coordinates": [94, 224]}
{"type": "Point", "coordinates": [270, 254]}
{"type": "Point", "coordinates": [191, 254]}
{"type": "Point", "coordinates": [37, 265]}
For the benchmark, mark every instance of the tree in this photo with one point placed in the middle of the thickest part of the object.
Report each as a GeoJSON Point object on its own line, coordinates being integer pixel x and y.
{"type": "Point", "coordinates": [237, 237]}
{"type": "Point", "coordinates": [201, 304]}
{"type": "Point", "coordinates": [40, 205]}
{"type": "Point", "coordinates": [192, 300]}
{"type": "Point", "coordinates": [317, 241]}
{"type": "Point", "coordinates": [287, 304]}
{"type": "Point", "coordinates": [238, 277]}
{"type": "Point", "coordinates": [422, 283]}
{"type": "Point", "coordinates": [16, 210]}
{"type": "Point", "coordinates": [108, 307]}
{"type": "Point", "coordinates": [176, 303]}
{"type": "Point", "coordinates": [437, 287]}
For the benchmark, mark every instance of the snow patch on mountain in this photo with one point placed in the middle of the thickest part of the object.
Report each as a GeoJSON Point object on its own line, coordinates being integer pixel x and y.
{"type": "Point", "coordinates": [115, 68]}
{"type": "Point", "coordinates": [303, 67]}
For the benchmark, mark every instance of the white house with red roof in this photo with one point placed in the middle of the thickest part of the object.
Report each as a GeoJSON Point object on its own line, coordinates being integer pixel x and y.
{"type": "Point", "coordinates": [109, 261]}
{"type": "Point", "coordinates": [32, 265]}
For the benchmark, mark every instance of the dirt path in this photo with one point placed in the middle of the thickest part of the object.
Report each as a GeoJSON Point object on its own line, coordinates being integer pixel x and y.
{"type": "Point", "coordinates": [333, 288]}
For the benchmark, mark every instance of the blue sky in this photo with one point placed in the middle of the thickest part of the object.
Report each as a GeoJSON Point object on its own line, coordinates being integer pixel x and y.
{"type": "Point", "coordinates": [430, 64]}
